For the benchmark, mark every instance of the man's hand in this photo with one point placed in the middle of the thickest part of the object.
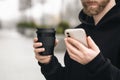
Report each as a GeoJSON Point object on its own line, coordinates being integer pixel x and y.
{"type": "Point", "coordinates": [37, 51]}
{"type": "Point", "coordinates": [80, 53]}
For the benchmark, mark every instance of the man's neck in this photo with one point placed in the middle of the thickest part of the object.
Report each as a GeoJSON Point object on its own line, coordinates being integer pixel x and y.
{"type": "Point", "coordinates": [98, 17]}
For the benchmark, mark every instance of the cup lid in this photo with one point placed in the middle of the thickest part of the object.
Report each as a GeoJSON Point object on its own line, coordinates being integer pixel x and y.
{"type": "Point", "coordinates": [48, 30]}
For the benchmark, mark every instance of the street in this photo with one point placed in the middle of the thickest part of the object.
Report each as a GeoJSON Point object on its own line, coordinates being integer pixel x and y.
{"type": "Point", "coordinates": [17, 59]}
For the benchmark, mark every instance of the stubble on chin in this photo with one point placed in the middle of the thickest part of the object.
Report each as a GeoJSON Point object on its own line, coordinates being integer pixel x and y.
{"type": "Point", "coordinates": [91, 11]}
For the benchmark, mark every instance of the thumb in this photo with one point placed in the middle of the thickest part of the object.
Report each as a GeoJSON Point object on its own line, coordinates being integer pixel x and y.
{"type": "Point", "coordinates": [56, 42]}
{"type": "Point", "coordinates": [92, 44]}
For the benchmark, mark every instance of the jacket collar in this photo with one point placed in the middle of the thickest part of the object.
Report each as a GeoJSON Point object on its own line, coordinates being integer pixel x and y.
{"type": "Point", "coordinates": [85, 19]}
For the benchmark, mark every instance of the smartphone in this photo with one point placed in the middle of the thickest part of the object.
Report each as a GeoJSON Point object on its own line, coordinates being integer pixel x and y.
{"type": "Point", "coordinates": [78, 34]}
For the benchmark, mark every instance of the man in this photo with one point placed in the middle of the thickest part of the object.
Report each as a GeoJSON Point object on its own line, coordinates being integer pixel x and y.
{"type": "Point", "coordinates": [101, 60]}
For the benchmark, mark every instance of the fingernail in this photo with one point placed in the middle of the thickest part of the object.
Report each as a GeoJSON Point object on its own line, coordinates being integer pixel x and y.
{"type": "Point", "coordinates": [65, 39]}
{"type": "Point", "coordinates": [43, 49]}
{"type": "Point", "coordinates": [40, 43]}
{"type": "Point", "coordinates": [89, 37]}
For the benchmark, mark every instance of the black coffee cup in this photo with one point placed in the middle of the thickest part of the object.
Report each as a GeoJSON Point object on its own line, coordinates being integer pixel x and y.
{"type": "Point", "coordinates": [47, 37]}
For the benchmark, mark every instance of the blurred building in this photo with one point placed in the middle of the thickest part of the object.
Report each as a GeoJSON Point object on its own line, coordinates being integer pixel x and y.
{"type": "Point", "coordinates": [43, 12]}
{"type": "Point", "coordinates": [36, 10]}
{"type": "Point", "coordinates": [9, 13]}
{"type": "Point", "coordinates": [71, 12]}
{"type": "Point", "coordinates": [25, 4]}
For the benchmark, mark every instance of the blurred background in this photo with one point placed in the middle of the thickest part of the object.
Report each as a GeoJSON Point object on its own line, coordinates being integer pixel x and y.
{"type": "Point", "coordinates": [18, 22]}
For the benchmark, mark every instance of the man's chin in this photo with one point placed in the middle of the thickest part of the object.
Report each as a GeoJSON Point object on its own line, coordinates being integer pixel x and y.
{"type": "Point", "coordinates": [90, 12]}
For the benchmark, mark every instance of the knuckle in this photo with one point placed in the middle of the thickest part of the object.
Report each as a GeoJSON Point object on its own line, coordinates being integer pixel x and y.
{"type": "Point", "coordinates": [71, 56]}
{"type": "Point", "coordinates": [33, 45]}
{"type": "Point", "coordinates": [35, 50]}
{"type": "Point", "coordinates": [35, 40]}
{"type": "Point", "coordinates": [36, 57]}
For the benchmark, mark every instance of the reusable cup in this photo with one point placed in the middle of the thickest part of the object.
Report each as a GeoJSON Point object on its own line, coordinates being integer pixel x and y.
{"type": "Point", "coordinates": [47, 37]}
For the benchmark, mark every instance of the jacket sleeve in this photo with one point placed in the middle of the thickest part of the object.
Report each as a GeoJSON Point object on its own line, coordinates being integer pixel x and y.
{"type": "Point", "coordinates": [102, 69]}
{"type": "Point", "coordinates": [53, 70]}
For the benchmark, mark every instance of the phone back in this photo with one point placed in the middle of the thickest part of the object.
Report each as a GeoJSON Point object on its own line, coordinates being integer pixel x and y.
{"type": "Point", "coordinates": [78, 34]}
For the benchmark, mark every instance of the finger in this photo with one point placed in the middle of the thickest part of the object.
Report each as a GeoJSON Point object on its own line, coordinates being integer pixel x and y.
{"type": "Point", "coordinates": [73, 49]}
{"type": "Point", "coordinates": [77, 44]}
{"type": "Point", "coordinates": [56, 42]}
{"type": "Point", "coordinates": [36, 45]}
{"type": "Point", "coordinates": [35, 40]}
{"type": "Point", "coordinates": [42, 57]}
{"type": "Point", "coordinates": [92, 44]}
{"type": "Point", "coordinates": [75, 57]}
{"type": "Point", "coordinates": [69, 46]}
{"type": "Point", "coordinates": [72, 56]}
{"type": "Point", "coordinates": [39, 50]}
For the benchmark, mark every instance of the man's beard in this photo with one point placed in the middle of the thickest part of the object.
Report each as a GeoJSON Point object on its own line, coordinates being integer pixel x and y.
{"type": "Point", "coordinates": [90, 10]}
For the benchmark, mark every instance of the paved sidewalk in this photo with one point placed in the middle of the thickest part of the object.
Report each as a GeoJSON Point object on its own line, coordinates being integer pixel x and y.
{"type": "Point", "coordinates": [17, 61]}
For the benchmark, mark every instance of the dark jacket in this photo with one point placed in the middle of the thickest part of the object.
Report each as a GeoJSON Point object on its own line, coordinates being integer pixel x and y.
{"type": "Point", "coordinates": [106, 66]}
